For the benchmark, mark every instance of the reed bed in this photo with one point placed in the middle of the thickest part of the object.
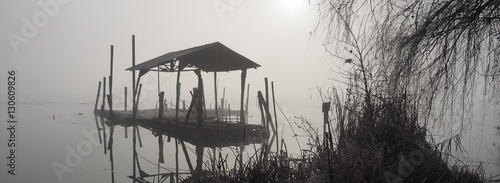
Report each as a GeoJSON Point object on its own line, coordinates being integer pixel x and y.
{"type": "Point", "coordinates": [383, 143]}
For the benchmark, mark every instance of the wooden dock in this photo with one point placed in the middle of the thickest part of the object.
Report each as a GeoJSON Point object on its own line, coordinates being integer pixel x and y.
{"type": "Point", "coordinates": [199, 126]}
{"type": "Point", "coordinates": [211, 133]}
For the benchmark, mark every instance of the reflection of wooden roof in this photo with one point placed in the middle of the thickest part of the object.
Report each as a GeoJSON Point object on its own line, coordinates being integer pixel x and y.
{"type": "Point", "coordinates": [213, 57]}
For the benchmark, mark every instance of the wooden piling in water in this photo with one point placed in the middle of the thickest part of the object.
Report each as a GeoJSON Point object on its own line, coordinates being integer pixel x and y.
{"type": "Point", "coordinates": [275, 117]}
{"type": "Point", "coordinates": [160, 108]}
{"type": "Point", "coordinates": [125, 105]}
{"type": "Point", "coordinates": [215, 93]}
{"type": "Point", "coordinates": [246, 105]}
{"type": "Point", "coordinates": [134, 110]}
{"type": "Point", "coordinates": [110, 98]}
{"type": "Point", "coordinates": [263, 118]}
{"type": "Point", "coordinates": [243, 79]}
{"type": "Point", "coordinates": [103, 93]}
{"type": "Point", "coordinates": [191, 106]}
{"type": "Point", "coordinates": [137, 107]}
{"type": "Point", "coordinates": [326, 137]}
{"type": "Point", "coordinates": [177, 95]}
{"type": "Point", "coordinates": [110, 105]}
{"type": "Point", "coordinates": [325, 109]}
{"type": "Point", "coordinates": [267, 100]}
{"type": "Point", "coordinates": [222, 104]}
{"type": "Point", "coordinates": [160, 119]}
{"type": "Point", "coordinates": [97, 98]}
{"type": "Point", "coordinates": [199, 104]}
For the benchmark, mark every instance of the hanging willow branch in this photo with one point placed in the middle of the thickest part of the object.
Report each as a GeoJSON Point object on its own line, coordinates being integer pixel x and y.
{"type": "Point", "coordinates": [436, 51]}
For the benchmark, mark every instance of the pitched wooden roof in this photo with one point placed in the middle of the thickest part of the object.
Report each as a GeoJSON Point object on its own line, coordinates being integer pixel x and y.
{"type": "Point", "coordinates": [213, 57]}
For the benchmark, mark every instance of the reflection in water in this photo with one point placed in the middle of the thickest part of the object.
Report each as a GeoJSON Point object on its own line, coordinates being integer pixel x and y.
{"type": "Point", "coordinates": [211, 133]}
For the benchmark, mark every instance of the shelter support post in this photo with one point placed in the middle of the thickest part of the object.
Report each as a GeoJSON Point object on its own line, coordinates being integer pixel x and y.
{"type": "Point", "coordinates": [199, 105]}
{"type": "Point", "coordinates": [242, 112]}
{"type": "Point", "coordinates": [215, 93]}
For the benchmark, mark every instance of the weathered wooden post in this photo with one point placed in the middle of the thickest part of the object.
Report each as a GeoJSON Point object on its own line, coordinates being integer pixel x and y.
{"type": "Point", "coordinates": [110, 98]}
{"type": "Point", "coordinates": [177, 95]}
{"type": "Point", "coordinates": [246, 105]}
{"type": "Point", "coordinates": [103, 95]}
{"type": "Point", "coordinates": [200, 97]}
{"type": "Point", "coordinates": [243, 79]}
{"type": "Point", "coordinates": [160, 119]}
{"type": "Point", "coordinates": [97, 98]}
{"type": "Point", "coordinates": [137, 108]}
{"type": "Point", "coordinates": [215, 93]}
{"type": "Point", "coordinates": [134, 110]}
{"type": "Point", "coordinates": [125, 98]}
{"type": "Point", "coordinates": [275, 118]}
{"type": "Point", "coordinates": [325, 109]}
{"type": "Point", "coordinates": [125, 106]}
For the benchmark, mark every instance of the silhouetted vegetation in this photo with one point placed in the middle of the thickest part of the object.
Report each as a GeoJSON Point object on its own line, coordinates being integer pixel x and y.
{"type": "Point", "coordinates": [404, 63]}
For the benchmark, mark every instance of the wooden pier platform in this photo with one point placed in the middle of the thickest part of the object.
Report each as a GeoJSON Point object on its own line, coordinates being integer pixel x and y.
{"type": "Point", "coordinates": [211, 133]}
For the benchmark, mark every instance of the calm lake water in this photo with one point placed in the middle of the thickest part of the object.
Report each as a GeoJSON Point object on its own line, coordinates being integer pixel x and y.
{"type": "Point", "coordinates": [53, 144]}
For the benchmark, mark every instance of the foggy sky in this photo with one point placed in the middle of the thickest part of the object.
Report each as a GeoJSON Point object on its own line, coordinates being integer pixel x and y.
{"type": "Point", "coordinates": [68, 54]}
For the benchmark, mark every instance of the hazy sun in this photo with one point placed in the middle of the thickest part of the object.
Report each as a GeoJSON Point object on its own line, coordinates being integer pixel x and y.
{"type": "Point", "coordinates": [292, 4]}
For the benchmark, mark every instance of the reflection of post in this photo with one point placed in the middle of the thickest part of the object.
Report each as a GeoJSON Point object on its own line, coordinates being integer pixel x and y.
{"type": "Point", "coordinates": [177, 95]}
{"type": "Point", "coordinates": [104, 134]}
{"type": "Point", "coordinates": [97, 126]}
{"type": "Point", "coordinates": [242, 148]}
{"type": "Point", "coordinates": [187, 156]}
{"type": "Point", "coordinates": [199, 160]}
{"type": "Point", "coordinates": [110, 147]}
{"type": "Point", "coordinates": [176, 161]}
